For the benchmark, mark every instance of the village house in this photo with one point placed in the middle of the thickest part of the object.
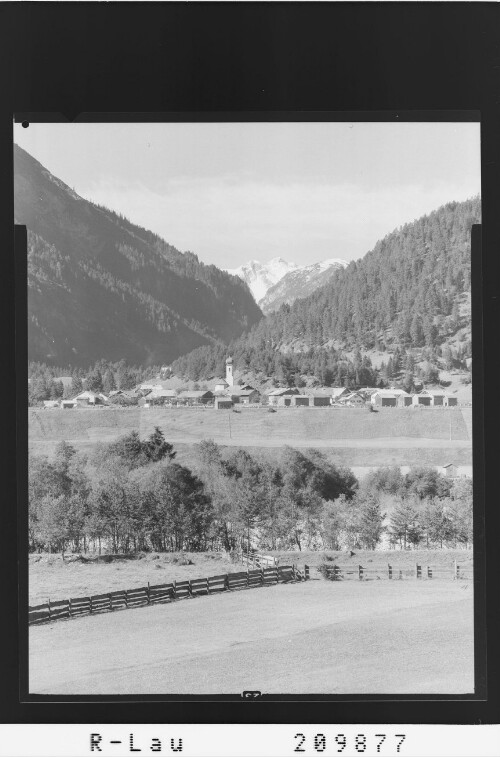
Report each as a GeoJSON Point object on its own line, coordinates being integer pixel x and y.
{"type": "Point", "coordinates": [199, 397]}
{"type": "Point", "coordinates": [244, 396]}
{"type": "Point", "coordinates": [450, 470]}
{"type": "Point", "coordinates": [51, 404]}
{"type": "Point", "coordinates": [90, 399]}
{"type": "Point", "coordinates": [160, 396]}
{"type": "Point", "coordinates": [338, 392]}
{"type": "Point", "coordinates": [221, 386]}
{"type": "Point", "coordinates": [355, 399]}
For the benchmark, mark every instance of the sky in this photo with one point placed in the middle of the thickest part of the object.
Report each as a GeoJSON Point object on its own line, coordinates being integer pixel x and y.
{"type": "Point", "coordinates": [233, 192]}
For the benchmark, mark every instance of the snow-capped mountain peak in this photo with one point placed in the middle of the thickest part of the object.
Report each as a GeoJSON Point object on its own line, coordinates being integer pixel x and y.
{"type": "Point", "coordinates": [279, 281]}
{"type": "Point", "coordinates": [262, 276]}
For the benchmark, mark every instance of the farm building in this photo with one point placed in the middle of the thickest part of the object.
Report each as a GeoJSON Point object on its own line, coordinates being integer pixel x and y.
{"type": "Point", "coordinates": [244, 396]}
{"type": "Point", "coordinates": [437, 397]}
{"type": "Point", "coordinates": [451, 401]}
{"type": "Point", "coordinates": [300, 400]}
{"type": "Point", "coordinates": [403, 398]}
{"type": "Point", "coordinates": [384, 399]}
{"type": "Point", "coordinates": [51, 404]}
{"type": "Point", "coordinates": [450, 470]}
{"type": "Point", "coordinates": [223, 403]}
{"type": "Point", "coordinates": [319, 399]}
{"type": "Point", "coordinates": [160, 396]}
{"type": "Point", "coordinates": [90, 399]}
{"type": "Point", "coordinates": [199, 397]}
{"type": "Point", "coordinates": [278, 396]}
{"type": "Point", "coordinates": [421, 400]}
{"type": "Point", "coordinates": [68, 404]}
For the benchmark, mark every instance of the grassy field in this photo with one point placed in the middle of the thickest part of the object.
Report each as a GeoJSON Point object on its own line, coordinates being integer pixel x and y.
{"type": "Point", "coordinates": [51, 577]}
{"type": "Point", "coordinates": [388, 637]}
{"type": "Point", "coordinates": [351, 436]}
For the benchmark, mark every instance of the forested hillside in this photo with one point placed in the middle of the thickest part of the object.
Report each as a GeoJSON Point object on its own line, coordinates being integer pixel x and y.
{"type": "Point", "coordinates": [410, 294]}
{"type": "Point", "coordinates": [100, 287]}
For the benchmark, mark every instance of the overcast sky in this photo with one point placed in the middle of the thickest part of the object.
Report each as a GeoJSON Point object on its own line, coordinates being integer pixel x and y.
{"type": "Point", "coordinates": [235, 192]}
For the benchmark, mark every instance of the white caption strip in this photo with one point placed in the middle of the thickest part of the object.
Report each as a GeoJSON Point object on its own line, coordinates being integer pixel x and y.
{"type": "Point", "coordinates": [249, 740]}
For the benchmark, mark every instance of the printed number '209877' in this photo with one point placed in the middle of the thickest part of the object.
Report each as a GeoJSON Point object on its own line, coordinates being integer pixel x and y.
{"type": "Point", "coordinates": [359, 743]}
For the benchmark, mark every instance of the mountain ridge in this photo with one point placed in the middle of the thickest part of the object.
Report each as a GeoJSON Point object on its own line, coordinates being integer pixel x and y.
{"type": "Point", "coordinates": [100, 286]}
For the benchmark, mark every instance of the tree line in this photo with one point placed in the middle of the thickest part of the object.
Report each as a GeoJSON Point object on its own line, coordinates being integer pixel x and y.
{"type": "Point", "coordinates": [133, 495]}
{"type": "Point", "coordinates": [407, 293]}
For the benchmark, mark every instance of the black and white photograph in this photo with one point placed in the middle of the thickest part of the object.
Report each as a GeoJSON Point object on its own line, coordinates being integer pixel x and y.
{"type": "Point", "coordinates": [250, 418]}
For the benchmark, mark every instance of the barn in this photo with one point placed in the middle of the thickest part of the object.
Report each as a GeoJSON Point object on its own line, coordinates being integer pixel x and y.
{"type": "Point", "coordinates": [223, 403]}
{"type": "Point", "coordinates": [242, 396]}
{"type": "Point", "coordinates": [384, 399]}
{"type": "Point", "coordinates": [421, 400]}
{"type": "Point", "coordinates": [281, 397]}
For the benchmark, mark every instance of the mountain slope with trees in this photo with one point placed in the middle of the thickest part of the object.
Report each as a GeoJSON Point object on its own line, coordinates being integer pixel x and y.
{"type": "Point", "coordinates": [409, 295]}
{"type": "Point", "coordinates": [100, 287]}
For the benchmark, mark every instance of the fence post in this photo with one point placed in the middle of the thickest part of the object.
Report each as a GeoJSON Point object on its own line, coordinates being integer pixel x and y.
{"type": "Point", "coordinates": [457, 570]}
{"type": "Point", "coordinates": [293, 571]}
{"type": "Point", "coordinates": [174, 590]}
{"type": "Point", "coordinates": [262, 575]}
{"type": "Point", "coordinates": [454, 570]}
{"type": "Point", "coordinates": [306, 572]}
{"type": "Point", "coordinates": [400, 575]}
{"type": "Point", "coordinates": [69, 607]}
{"type": "Point", "coordinates": [126, 598]}
{"type": "Point", "coordinates": [48, 604]}
{"type": "Point", "coordinates": [149, 594]}
{"type": "Point", "coordinates": [208, 587]}
{"type": "Point", "coordinates": [91, 608]}
{"type": "Point", "coordinates": [390, 570]}
{"type": "Point", "coordinates": [360, 572]}
{"type": "Point", "coordinates": [226, 583]}
{"type": "Point", "coordinates": [429, 571]}
{"type": "Point", "coordinates": [110, 601]}
{"type": "Point", "coordinates": [419, 570]}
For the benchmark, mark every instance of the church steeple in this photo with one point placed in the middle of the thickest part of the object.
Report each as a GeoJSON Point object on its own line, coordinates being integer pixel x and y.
{"type": "Point", "coordinates": [229, 371]}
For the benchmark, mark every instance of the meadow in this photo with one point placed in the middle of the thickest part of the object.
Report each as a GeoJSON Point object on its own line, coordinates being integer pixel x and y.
{"type": "Point", "coordinates": [349, 436]}
{"type": "Point", "coordinates": [51, 577]}
{"type": "Point", "coordinates": [388, 637]}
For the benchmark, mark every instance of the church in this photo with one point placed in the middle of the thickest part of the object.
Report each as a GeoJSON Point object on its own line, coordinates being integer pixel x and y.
{"type": "Point", "coordinates": [244, 395]}
{"type": "Point", "coordinates": [222, 385]}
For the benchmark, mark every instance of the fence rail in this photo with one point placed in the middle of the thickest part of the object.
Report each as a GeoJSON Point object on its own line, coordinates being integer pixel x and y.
{"type": "Point", "coordinates": [428, 572]}
{"type": "Point", "coordinates": [163, 593]}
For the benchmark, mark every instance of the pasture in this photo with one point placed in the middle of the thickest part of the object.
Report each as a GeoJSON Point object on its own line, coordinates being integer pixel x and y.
{"type": "Point", "coordinates": [385, 637]}
{"type": "Point", "coordinates": [50, 577]}
{"type": "Point", "coordinates": [350, 436]}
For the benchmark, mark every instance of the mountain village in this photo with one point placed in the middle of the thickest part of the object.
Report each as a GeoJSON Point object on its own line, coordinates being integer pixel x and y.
{"type": "Point", "coordinates": [226, 394]}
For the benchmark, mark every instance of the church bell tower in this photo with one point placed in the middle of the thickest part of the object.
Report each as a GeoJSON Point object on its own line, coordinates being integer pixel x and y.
{"type": "Point", "coordinates": [229, 371]}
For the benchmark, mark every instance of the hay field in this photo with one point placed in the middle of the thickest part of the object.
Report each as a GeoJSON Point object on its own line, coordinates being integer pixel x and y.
{"type": "Point", "coordinates": [351, 436]}
{"type": "Point", "coordinates": [50, 577]}
{"type": "Point", "coordinates": [386, 637]}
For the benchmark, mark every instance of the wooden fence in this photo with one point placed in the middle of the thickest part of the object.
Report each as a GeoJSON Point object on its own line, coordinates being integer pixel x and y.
{"type": "Point", "coordinates": [161, 593]}
{"type": "Point", "coordinates": [455, 572]}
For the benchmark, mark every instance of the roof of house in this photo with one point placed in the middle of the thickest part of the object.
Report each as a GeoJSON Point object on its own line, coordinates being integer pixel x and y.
{"type": "Point", "coordinates": [223, 398]}
{"type": "Point", "coordinates": [384, 393]}
{"type": "Point", "coordinates": [338, 390]}
{"type": "Point", "coordinates": [448, 465]}
{"type": "Point", "coordinates": [352, 395]}
{"type": "Point", "coordinates": [220, 381]}
{"type": "Point", "coordinates": [399, 392]}
{"type": "Point", "coordinates": [159, 391]}
{"type": "Point", "coordinates": [51, 403]}
{"type": "Point", "coordinates": [435, 392]}
{"type": "Point", "coordinates": [240, 392]}
{"type": "Point", "coordinates": [92, 396]}
{"type": "Point", "coordinates": [283, 390]}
